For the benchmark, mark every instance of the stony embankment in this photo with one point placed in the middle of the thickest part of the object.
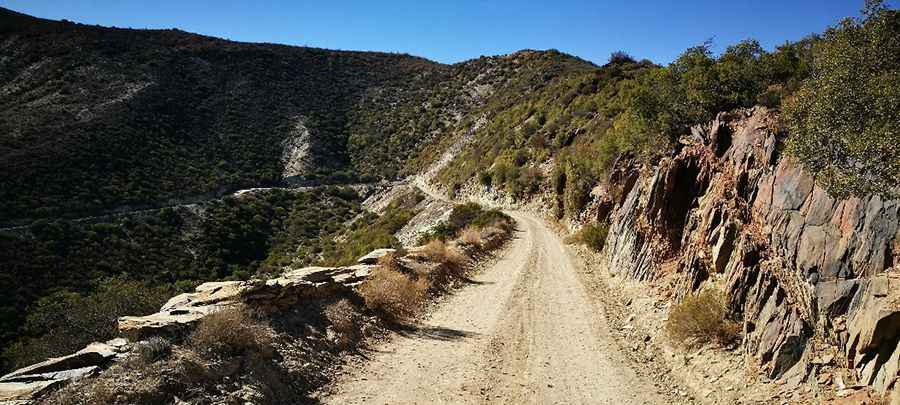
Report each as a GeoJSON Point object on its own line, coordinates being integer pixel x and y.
{"type": "Point", "coordinates": [305, 344]}
{"type": "Point", "coordinates": [813, 278]}
{"type": "Point", "coordinates": [177, 317]}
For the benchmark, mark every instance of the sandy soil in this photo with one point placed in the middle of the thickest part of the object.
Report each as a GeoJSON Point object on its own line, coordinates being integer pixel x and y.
{"type": "Point", "coordinates": [525, 332]}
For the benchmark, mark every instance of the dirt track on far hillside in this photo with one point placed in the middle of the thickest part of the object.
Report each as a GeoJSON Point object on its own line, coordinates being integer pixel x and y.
{"type": "Point", "coordinates": [526, 332]}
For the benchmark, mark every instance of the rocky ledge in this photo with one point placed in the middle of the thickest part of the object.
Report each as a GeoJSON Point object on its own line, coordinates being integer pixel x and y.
{"type": "Point", "coordinates": [176, 317]}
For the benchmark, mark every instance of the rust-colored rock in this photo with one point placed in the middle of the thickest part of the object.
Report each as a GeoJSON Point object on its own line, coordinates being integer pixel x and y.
{"type": "Point", "coordinates": [794, 260]}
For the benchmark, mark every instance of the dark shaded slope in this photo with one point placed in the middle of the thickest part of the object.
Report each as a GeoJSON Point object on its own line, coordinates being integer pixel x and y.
{"type": "Point", "coordinates": [100, 118]}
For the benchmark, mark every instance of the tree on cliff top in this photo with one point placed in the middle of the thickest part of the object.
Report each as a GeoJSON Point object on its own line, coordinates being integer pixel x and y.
{"type": "Point", "coordinates": [845, 120]}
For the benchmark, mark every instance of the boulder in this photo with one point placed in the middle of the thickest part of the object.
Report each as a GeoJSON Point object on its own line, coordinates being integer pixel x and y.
{"type": "Point", "coordinates": [875, 319]}
{"type": "Point", "coordinates": [373, 256]}
{"type": "Point", "coordinates": [95, 355]}
{"type": "Point", "coordinates": [28, 383]}
{"type": "Point", "coordinates": [171, 322]}
{"type": "Point", "coordinates": [15, 393]}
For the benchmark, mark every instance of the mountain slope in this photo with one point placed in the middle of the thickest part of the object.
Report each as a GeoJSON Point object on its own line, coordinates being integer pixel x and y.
{"type": "Point", "coordinates": [96, 120]}
{"type": "Point", "coordinates": [100, 117]}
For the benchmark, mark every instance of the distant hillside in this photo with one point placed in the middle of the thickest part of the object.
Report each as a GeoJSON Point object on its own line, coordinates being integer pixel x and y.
{"type": "Point", "coordinates": [94, 119]}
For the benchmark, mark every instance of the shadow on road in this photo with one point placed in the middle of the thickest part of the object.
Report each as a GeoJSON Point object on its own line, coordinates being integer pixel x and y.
{"type": "Point", "coordinates": [434, 332]}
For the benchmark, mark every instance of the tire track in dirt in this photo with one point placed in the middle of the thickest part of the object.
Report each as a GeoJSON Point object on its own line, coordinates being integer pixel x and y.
{"type": "Point", "coordinates": [526, 332]}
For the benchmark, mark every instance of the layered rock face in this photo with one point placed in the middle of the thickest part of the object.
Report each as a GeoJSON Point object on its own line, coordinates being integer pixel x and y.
{"type": "Point", "coordinates": [184, 310]}
{"type": "Point", "coordinates": [810, 275]}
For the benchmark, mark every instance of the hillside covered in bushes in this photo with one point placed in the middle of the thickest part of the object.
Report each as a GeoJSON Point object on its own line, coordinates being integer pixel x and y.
{"type": "Point", "coordinates": [160, 127]}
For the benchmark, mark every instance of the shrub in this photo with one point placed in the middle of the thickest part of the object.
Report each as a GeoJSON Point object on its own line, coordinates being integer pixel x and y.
{"type": "Point", "coordinates": [620, 57]}
{"type": "Point", "coordinates": [231, 332]}
{"type": "Point", "coordinates": [154, 349]}
{"type": "Point", "coordinates": [437, 251]}
{"type": "Point", "coordinates": [64, 322]}
{"type": "Point", "coordinates": [484, 178]}
{"type": "Point", "coordinates": [344, 321]}
{"type": "Point", "coordinates": [592, 235]}
{"type": "Point", "coordinates": [391, 261]}
{"type": "Point", "coordinates": [845, 120]}
{"type": "Point", "coordinates": [701, 319]}
{"type": "Point", "coordinates": [469, 214]}
{"type": "Point", "coordinates": [372, 232]}
{"type": "Point", "coordinates": [470, 236]}
{"type": "Point", "coordinates": [393, 295]}
{"type": "Point", "coordinates": [451, 265]}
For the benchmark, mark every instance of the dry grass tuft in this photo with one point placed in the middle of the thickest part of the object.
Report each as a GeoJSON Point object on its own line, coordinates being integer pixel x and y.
{"type": "Point", "coordinates": [702, 319]}
{"type": "Point", "coordinates": [231, 332]}
{"type": "Point", "coordinates": [471, 236]}
{"type": "Point", "coordinates": [344, 321]}
{"type": "Point", "coordinates": [393, 295]}
{"type": "Point", "coordinates": [452, 265]}
{"type": "Point", "coordinates": [153, 349]}
{"type": "Point", "coordinates": [438, 252]}
{"type": "Point", "coordinates": [391, 261]}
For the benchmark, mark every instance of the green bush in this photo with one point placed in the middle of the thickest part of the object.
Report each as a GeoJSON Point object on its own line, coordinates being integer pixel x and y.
{"type": "Point", "coordinates": [592, 236]}
{"type": "Point", "coordinates": [60, 264]}
{"type": "Point", "coordinates": [65, 322]}
{"type": "Point", "coordinates": [700, 319]}
{"type": "Point", "coordinates": [370, 232]}
{"type": "Point", "coordinates": [845, 121]}
{"type": "Point", "coordinates": [465, 215]}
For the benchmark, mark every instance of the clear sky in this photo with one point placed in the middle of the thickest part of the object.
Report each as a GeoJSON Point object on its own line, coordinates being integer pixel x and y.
{"type": "Point", "coordinates": [451, 31]}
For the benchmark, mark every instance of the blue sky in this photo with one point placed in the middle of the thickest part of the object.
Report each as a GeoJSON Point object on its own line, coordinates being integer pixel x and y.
{"type": "Point", "coordinates": [452, 31]}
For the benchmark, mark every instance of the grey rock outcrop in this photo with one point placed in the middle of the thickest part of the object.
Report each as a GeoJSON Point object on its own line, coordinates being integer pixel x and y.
{"type": "Point", "coordinates": [24, 384]}
{"type": "Point", "coordinates": [184, 310]}
{"type": "Point", "coordinates": [796, 262]}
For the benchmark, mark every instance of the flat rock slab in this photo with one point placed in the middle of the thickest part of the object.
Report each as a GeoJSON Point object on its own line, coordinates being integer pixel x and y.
{"type": "Point", "coordinates": [22, 393]}
{"type": "Point", "coordinates": [372, 257]}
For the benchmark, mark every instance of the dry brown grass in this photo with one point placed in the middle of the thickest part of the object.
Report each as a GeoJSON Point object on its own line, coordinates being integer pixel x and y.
{"type": "Point", "coordinates": [702, 319]}
{"type": "Point", "coordinates": [233, 331]}
{"type": "Point", "coordinates": [344, 320]}
{"type": "Point", "coordinates": [471, 236]}
{"type": "Point", "coordinates": [392, 294]}
{"type": "Point", "coordinates": [439, 252]}
{"type": "Point", "coordinates": [452, 265]}
{"type": "Point", "coordinates": [391, 261]}
{"type": "Point", "coordinates": [133, 382]}
{"type": "Point", "coordinates": [495, 236]}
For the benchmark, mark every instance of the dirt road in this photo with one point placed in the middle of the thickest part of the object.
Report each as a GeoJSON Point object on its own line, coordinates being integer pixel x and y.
{"type": "Point", "coordinates": [525, 333]}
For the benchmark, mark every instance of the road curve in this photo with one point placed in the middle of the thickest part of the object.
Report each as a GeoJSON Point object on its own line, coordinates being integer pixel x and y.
{"type": "Point", "coordinates": [526, 332]}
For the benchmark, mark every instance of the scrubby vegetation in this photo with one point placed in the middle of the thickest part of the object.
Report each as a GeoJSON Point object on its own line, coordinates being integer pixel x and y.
{"type": "Point", "coordinates": [75, 278]}
{"type": "Point", "coordinates": [345, 322]}
{"type": "Point", "coordinates": [469, 215]}
{"type": "Point", "coordinates": [839, 92]}
{"type": "Point", "coordinates": [845, 120]}
{"type": "Point", "coordinates": [701, 319]}
{"type": "Point", "coordinates": [64, 322]}
{"type": "Point", "coordinates": [369, 232]}
{"type": "Point", "coordinates": [229, 333]}
{"type": "Point", "coordinates": [585, 117]}
{"type": "Point", "coordinates": [153, 349]}
{"type": "Point", "coordinates": [137, 118]}
{"type": "Point", "coordinates": [397, 289]}
{"type": "Point", "coordinates": [391, 293]}
{"type": "Point", "coordinates": [592, 236]}
{"type": "Point", "coordinates": [233, 356]}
